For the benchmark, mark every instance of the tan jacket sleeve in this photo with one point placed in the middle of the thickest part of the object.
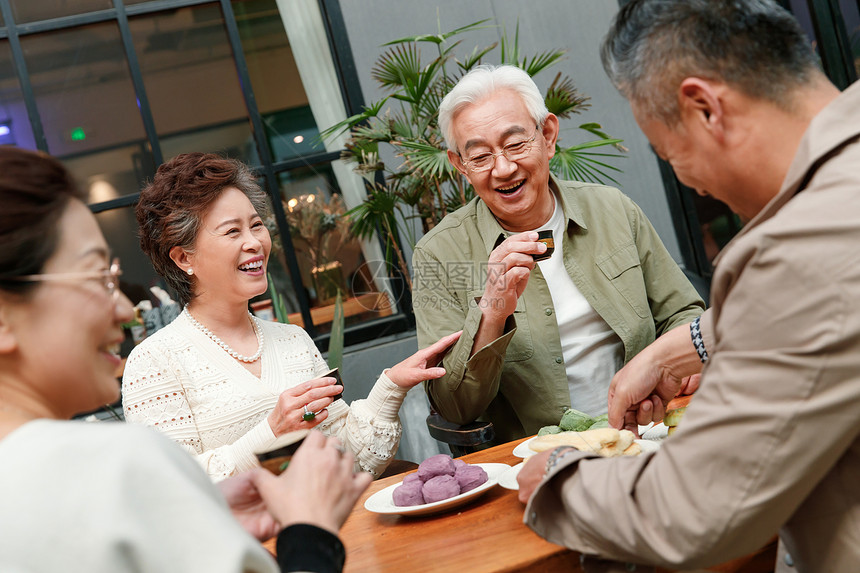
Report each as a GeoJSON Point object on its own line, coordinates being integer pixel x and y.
{"type": "Point", "coordinates": [775, 414]}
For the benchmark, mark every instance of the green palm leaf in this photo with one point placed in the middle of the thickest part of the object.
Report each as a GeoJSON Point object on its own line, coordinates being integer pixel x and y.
{"type": "Point", "coordinates": [575, 163]}
{"type": "Point", "coordinates": [428, 159]}
{"type": "Point", "coordinates": [511, 51]}
{"type": "Point", "coordinates": [563, 99]}
{"type": "Point", "coordinates": [397, 66]}
{"type": "Point", "coordinates": [474, 58]}
{"type": "Point", "coordinates": [379, 207]}
{"type": "Point", "coordinates": [439, 38]}
{"type": "Point", "coordinates": [342, 126]}
{"type": "Point", "coordinates": [541, 61]}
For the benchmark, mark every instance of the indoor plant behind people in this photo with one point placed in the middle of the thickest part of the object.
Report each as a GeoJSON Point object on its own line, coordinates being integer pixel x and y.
{"type": "Point", "coordinates": [425, 185]}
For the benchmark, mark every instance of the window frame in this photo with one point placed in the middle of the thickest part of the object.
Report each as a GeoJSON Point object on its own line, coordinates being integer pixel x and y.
{"type": "Point", "coordinates": [402, 319]}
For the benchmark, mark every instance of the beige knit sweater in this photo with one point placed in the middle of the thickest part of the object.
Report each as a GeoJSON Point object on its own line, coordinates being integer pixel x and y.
{"type": "Point", "coordinates": [183, 384]}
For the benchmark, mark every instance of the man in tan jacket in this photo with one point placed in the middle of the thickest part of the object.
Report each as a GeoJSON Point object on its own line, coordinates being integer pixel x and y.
{"type": "Point", "coordinates": [729, 93]}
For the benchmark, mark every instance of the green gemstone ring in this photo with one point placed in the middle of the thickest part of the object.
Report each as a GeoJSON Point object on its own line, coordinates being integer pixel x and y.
{"type": "Point", "coordinates": [308, 416]}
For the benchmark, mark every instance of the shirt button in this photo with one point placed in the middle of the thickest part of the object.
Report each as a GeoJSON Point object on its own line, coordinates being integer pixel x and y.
{"type": "Point", "coordinates": [548, 312]}
{"type": "Point", "coordinates": [559, 360]}
{"type": "Point", "coordinates": [789, 560]}
{"type": "Point", "coordinates": [534, 517]}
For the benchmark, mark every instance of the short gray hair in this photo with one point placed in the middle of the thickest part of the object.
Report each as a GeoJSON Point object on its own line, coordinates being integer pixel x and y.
{"type": "Point", "coordinates": [482, 82]}
{"type": "Point", "coordinates": [754, 46]}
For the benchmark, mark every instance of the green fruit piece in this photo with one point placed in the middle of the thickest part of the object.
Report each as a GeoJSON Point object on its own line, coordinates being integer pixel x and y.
{"type": "Point", "coordinates": [674, 416]}
{"type": "Point", "coordinates": [600, 422]}
{"type": "Point", "coordinates": [575, 421]}
{"type": "Point", "coordinates": [549, 430]}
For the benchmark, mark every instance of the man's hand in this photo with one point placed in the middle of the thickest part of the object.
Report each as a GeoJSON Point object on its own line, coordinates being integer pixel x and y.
{"type": "Point", "coordinates": [247, 506]}
{"type": "Point", "coordinates": [639, 392]}
{"type": "Point", "coordinates": [508, 270]}
{"type": "Point", "coordinates": [531, 475]}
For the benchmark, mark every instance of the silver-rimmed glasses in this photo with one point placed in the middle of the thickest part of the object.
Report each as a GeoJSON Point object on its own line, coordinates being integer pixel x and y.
{"type": "Point", "coordinates": [512, 152]}
{"type": "Point", "coordinates": [109, 278]}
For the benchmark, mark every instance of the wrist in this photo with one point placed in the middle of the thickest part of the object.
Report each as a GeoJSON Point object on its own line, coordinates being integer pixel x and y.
{"type": "Point", "coordinates": [555, 457]}
{"type": "Point", "coordinates": [675, 352]}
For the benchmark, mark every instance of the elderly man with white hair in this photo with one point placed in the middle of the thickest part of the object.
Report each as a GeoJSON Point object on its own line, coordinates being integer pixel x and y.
{"type": "Point", "coordinates": [538, 336]}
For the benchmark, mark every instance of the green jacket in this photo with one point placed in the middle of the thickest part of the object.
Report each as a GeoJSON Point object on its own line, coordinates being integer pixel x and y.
{"type": "Point", "coordinates": [519, 381]}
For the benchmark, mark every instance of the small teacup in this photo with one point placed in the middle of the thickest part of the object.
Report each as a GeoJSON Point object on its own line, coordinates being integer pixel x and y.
{"type": "Point", "coordinates": [545, 237]}
{"type": "Point", "coordinates": [278, 457]}
{"type": "Point", "coordinates": [334, 373]}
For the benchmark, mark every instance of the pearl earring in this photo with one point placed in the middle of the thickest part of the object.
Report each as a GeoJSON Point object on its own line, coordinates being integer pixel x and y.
{"type": "Point", "coordinates": [190, 271]}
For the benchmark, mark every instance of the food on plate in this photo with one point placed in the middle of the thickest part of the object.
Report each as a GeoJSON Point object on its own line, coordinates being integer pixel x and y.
{"type": "Point", "coordinates": [549, 430]}
{"type": "Point", "coordinates": [470, 477]}
{"type": "Point", "coordinates": [409, 493]}
{"type": "Point", "coordinates": [576, 421]}
{"type": "Point", "coordinates": [600, 422]}
{"type": "Point", "coordinates": [438, 477]}
{"type": "Point", "coordinates": [608, 442]}
{"type": "Point", "coordinates": [673, 417]}
{"type": "Point", "coordinates": [440, 487]}
{"type": "Point", "coordinates": [438, 465]}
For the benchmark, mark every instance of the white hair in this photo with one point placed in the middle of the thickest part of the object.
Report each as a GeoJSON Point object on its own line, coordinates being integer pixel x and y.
{"type": "Point", "coordinates": [481, 83]}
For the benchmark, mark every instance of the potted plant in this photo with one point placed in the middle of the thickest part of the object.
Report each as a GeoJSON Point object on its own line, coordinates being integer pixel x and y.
{"type": "Point", "coordinates": [320, 231]}
{"type": "Point", "coordinates": [425, 185]}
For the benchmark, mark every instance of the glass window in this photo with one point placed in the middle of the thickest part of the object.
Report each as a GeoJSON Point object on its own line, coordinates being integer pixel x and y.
{"type": "Point", "coordinates": [329, 257]}
{"type": "Point", "coordinates": [191, 83]}
{"type": "Point", "coordinates": [281, 99]}
{"type": "Point", "coordinates": [14, 123]}
{"type": "Point", "coordinates": [88, 107]}
{"type": "Point", "coordinates": [851, 13]}
{"type": "Point", "coordinates": [33, 11]}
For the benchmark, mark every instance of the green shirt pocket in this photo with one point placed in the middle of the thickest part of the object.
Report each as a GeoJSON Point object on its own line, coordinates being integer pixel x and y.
{"type": "Point", "coordinates": [624, 270]}
{"type": "Point", "coordinates": [521, 347]}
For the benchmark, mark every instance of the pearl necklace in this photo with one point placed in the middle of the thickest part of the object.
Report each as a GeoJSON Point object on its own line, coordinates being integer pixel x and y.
{"type": "Point", "coordinates": [257, 330]}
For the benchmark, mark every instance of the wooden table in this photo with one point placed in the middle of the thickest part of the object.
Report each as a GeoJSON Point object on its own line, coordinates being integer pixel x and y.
{"type": "Point", "coordinates": [485, 536]}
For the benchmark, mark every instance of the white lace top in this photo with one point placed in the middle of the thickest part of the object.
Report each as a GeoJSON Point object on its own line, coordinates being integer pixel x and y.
{"type": "Point", "coordinates": [182, 383]}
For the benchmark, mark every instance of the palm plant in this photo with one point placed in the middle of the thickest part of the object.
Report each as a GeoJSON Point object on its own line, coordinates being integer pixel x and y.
{"type": "Point", "coordinates": [426, 186]}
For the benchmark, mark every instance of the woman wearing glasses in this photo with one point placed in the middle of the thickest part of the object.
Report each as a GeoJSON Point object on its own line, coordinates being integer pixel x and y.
{"type": "Point", "coordinates": [107, 497]}
{"type": "Point", "coordinates": [219, 381]}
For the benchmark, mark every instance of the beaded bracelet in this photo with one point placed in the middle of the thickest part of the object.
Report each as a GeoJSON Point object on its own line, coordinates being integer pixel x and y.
{"type": "Point", "coordinates": [696, 335]}
{"type": "Point", "coordinates": [555, 456]}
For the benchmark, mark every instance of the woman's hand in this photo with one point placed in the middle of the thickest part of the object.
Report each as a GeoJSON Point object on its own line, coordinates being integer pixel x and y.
{"type": "Point", "coordinates": [319, 487]}
{"type": "Point", "coordinates": [317, 394]}
{"type": "Point", "coordinates": [247, 506]}
{"type": "Point", "coordinates": [422, 365]}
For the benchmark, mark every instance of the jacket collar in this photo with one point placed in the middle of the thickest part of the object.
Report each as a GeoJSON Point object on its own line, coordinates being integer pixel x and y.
{"type": "Point", "coordinates": [490, 230]}
{"type": "Point", "coordinates": [833, 127]}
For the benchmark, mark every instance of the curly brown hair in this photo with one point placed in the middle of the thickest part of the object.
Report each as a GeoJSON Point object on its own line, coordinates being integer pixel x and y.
{"type": "Point", "coordinates": [171, 207]}
{"type": "Point", "coordinates": [35, 190]}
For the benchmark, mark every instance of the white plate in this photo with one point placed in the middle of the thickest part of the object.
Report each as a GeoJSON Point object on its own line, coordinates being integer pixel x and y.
{"type": "Point", "coordinates": [656, 432]}
{"type": "Point", "coordinates": [508, 480]}
{"type": "Point", "coordinates": [524, 451]}
{"type": "Point", "coordinates": [382, 502]}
